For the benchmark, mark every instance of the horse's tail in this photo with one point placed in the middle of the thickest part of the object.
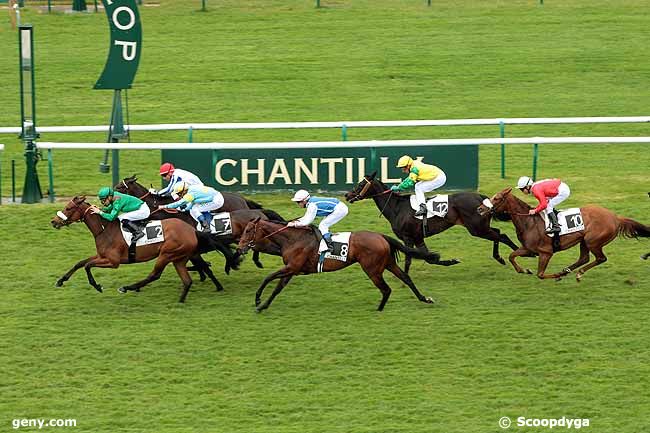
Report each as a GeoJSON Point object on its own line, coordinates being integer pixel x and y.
{"type": "Point", "coordinates": [430, 257]}
{"type": "Point", "coordinates": [253, 204]}
{"type": "Point", "coordinates": [208, 243]}
{"type": "Point", "coordinates": [632, 229]}
{"type": "Point", "coordinates": [273, 215]}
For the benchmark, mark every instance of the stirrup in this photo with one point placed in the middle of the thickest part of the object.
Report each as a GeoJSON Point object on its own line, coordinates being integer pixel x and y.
{"type": "Point", "coordinates": [553, 229]}
{"type": "Point", "coordinates": [422, 211]}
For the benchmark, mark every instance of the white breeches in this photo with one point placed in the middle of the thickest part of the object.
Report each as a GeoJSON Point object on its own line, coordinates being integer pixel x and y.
{"type": "Point", "coordinates": [563, 193]}
{"type": "Point", "coordinates": [216, 203]}
{"type": "Point", "coordinates": [140, 213]}
{"type": "Point", "coordinates": [428, 186]}
{"type": "Point", "coordinates": [339, 212]}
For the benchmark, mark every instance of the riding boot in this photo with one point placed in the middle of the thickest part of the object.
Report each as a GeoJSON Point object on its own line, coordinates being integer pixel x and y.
{"type": "Point", "coordinates": [555, 226]}
{"type": "Point", "coordinates": [205, 222]}
{"type": "Point", "coordinates": [134, 228]}
{"type": "Point", "coordinates": [422, 211]}
{"type": "Point", "coordinates": [328, 241]}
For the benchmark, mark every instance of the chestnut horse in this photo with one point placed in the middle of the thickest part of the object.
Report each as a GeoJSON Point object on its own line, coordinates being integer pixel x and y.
{"type": "Point", "coordinates": [238, 218]}
{"type": "Point", "coordinates": [299, 250]}
{"type": "Point", "coordinates": [180, 244]}
{"type": "Point", "coordinates": [462, 211]}
{"type": "Point", "coordinates": [601, 227]}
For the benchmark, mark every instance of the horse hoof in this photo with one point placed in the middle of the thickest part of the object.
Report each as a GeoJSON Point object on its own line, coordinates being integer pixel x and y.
{"type": "Point", "coordinates": [429, 300]}
{"type": "Point", "coordinates": [558, 278]}
{"type": "Point", "coordinates": [259, 310]}
{"type": "Point", "coordinates": [100, 288]}
{"type": "Point", "coordinates": [59, 283]}
{"type": "Point", "coordinates": [529, 272]}
{"type": "Point", "coordinates": [578, 277]}
{"type": "Point", "coordinates": [259, 265]}
{"type": "Point", "coordinates": [218, 289]}
{"type": "Point", "coordinates": [645, 257]}
{"type": "Point", "coordinates": [122, 290]}
{"type": "Point", "coordinates": [500, 260]}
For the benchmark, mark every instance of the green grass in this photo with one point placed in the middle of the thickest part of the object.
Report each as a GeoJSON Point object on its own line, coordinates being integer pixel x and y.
{"type": "Point", "coordinates": [321, 359]}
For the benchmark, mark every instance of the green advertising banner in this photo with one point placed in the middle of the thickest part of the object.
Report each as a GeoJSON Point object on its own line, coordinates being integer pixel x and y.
{"type": "Point", "coordinates": [126, 45]}
{"type": "Point", "coordinates": [320, 169]}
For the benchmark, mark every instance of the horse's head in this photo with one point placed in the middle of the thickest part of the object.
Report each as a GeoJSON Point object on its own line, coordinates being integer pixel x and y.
{"type": "Point", "coordinates": [129, 185]}
{"type": "Point", "coordinates": [247, 239]}
{"type": "Point", "coordinates": [367, 187]}
{"type": "Point", "coordinates": [74, 211]}
{"type": "Point", "coordinates": [495, 204]}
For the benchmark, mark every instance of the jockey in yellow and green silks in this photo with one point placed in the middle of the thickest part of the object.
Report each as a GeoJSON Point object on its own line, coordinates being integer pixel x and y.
{"type": "Point", "coordinates": [424, 177]}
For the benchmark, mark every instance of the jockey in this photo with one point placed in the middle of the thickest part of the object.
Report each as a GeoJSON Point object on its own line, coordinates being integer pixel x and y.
{"type": "Point", "coordinates": [331, 208]}
{"type": "Point", "coordinates": [175, 175]}
{"type": "Point", "coordinates": [425, 177]}
{"type": "Point", "coordinates": [543, 190]}
{"type": "Point", "coordinates": [125, 207]}
{"type": "Point", "coordinates": [199, 200]}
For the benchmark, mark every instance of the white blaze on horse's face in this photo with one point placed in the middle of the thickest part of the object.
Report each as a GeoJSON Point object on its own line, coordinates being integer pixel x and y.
{"type": "Point", "coordinates": [487, 203]}
{"type": "Point", "coordinates": [61, 215]}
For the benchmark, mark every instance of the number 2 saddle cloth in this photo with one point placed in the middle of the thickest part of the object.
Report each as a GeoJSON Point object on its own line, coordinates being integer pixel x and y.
{"type": "Point", "coordinates": [153, 233]}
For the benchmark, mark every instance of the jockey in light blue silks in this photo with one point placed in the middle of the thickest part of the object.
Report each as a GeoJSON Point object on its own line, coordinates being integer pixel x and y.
{"type": "Point", "coordinates": [331, 208]}
{"type": "Point", "coordinates": [199, 200]}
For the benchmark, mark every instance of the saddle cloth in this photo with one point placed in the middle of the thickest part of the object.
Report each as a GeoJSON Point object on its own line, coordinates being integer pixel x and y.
{"type": "Point", "coordinates": [570, 221]}
{"type": "Point", "coordinates": [438, 205]}
{"type": "Point", "coordinates": [341, 243]}
{"type": "Point", "coordinates": [153, 233]}
{"type": "Point", "coordinates": [220, 224]}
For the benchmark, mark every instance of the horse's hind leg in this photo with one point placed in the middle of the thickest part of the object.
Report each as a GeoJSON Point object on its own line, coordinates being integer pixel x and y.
{"type": "Point", "coordinates": [375, 274]}
{"type": "Point", "coordinates": [583, 259]}
{"type": "Point", "coordinates": [74, 269]}
{"type": "Point", "coordinates": [181, 269]}
{"type": "Point", "coordinates": [484, 231]}
{"type": "Point", "coordinates": [600, 259]}
{"type": "Point", "coordinates": [404, 277]}
{"type": "Point", "coordinates": [155, 274]}
{"type": "Point", "coordinates": [281, 284]}
{"type": "Point", "coordinates": [645, 256]}
{"type": "Point", "coordinates": [203, 268]}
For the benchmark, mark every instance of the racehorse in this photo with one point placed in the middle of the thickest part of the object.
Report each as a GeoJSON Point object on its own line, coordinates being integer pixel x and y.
{"type": "Point", "coordinates": [181, 242]}
{"type": "Point", "coordinates": [299, 250]}
{"type": "Point", "coordinates": [238, 218]}
{"type": "Point", "coordinates": [601, 227]}
{"type": "Point", "coordinates": [461, 211]}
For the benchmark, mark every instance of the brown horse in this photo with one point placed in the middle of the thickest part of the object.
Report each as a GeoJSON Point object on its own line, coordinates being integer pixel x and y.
{"type": "Point", "coordinates": [238, 218]}
{"type": "Point", "coordinates": [181, 243]}
{"type": "Point", "coordinates": [601, 227]}
{"type": "Point", "coordinates": [299, 250]}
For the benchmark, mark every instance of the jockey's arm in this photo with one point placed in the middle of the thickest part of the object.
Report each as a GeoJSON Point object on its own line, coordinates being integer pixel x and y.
{"type": "Point", "coordinates": [543, 201]}
{"type": "Point", "coordinates": [409, 181]}
{"type": "Point", "coordinates": [187, 201]}
{"type": "Point", "coordinates": [308, 217]}
{"type": "Point", "coordinates": [111, 212]}
{"type": "Point", "coordinates": [170, 186]}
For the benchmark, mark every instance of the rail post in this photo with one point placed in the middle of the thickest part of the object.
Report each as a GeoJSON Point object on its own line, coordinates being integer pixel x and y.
{"type": "Point", "coordinates": [344, 132]}
{"type": "Point", "coordinates": [50, 175]}
{"type": "Point", "coordinates": [535, 157]}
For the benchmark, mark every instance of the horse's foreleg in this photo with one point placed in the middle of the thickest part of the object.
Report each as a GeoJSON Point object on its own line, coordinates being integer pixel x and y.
{"type": "Point", "coordinates": [544, 259]}
{"type": "Point", "coordinates": [484, 231]}
{"type": "Point", "coordinates": [409, 243]}
{"type": "Point", "coordinates": [281, 284]}
{"type": "Point", "coordinates": [645, 256]}
{"type": "Point", "coordinates": [404, 277]}
{"type": "Point", "coordinates": [182, 272]}
{"type": "Point", "coordinates": [74, 269]}
{"type": "Point", "coordinates": [277, 274]}
{"type": "Point", "coordinates": [522, 251]}
{"type": "Point", "coordinates": [98, 262]}
{"type": "Point", "coordinates": [583, 259]}
{"type": "Point", "coordinates": [600, 259]}
{"type": "Point", "coordinates": [155, 274]}
{"type": "Point", "coordinates": [256, 259]}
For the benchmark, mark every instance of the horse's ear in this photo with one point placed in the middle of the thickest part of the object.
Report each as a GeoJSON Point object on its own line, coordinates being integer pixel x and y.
{"type": "Point", "coordinates": [256, 220]}
{"type": "Point", "coordinates": [134, 177]}
{"type": "Point", "coordinates": [507, 190]}
{"type": "Point", "coordinates": [372, 175]}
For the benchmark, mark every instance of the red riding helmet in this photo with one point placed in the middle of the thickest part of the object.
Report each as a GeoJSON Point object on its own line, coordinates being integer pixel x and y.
{"type": "Point", "coordinates": [166, 168]}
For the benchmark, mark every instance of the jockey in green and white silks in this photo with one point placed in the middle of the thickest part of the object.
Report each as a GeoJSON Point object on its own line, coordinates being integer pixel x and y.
{"type": "Point", "coordinates": [331, 208]}
{"type": "Point", "coordinates": [422, 177]}
{"type": "Point", "coordinates": [124, 207]}
{"type": "Point", "coordinates": [199, 200]}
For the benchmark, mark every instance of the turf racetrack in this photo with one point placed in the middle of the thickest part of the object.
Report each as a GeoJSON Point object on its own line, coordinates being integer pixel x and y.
{"type": "Point", "coordinates": [321, 359]}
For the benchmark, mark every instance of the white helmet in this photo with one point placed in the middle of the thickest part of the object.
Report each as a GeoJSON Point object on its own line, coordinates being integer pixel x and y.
{"type": "Point", "coordinates": [524, 181]}
{"type": "Point", "coordinates": [300, 195]}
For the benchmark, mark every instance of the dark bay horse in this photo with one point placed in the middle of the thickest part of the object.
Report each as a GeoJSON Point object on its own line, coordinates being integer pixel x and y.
{"type": "Point", "coordinates": [239, 218]}
{"type": "Point", "coordinates": [181, 243]}
{"type": "Point", "coordinates": [299, 250]}
{"type": "Point", "coordinates": [601, 227]}
{"type": "Point", "coordinates": [397, 210]}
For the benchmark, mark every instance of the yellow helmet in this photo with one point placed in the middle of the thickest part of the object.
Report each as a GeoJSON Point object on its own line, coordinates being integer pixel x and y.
{"type": "Point", "coordinates": [404, 161]}
{"type": "Point", "coordinates": [180, 188]}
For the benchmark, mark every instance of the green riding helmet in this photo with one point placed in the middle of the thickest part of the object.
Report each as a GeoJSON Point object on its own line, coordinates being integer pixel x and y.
{"type": "Point", "coordinates": [104, 193]}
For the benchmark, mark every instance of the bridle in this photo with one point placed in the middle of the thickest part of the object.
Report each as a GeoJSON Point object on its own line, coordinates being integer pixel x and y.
{"type": "Point", "coordinates": [362, 194]}
{"type": "Point", "coordinates": [251, 243]}
{"type": "Point", "coordinates": [66, 219]}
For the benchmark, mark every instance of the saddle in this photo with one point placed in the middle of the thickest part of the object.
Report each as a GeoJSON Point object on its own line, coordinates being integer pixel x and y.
{"type": "Point", "coordinates": [437, 205]}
